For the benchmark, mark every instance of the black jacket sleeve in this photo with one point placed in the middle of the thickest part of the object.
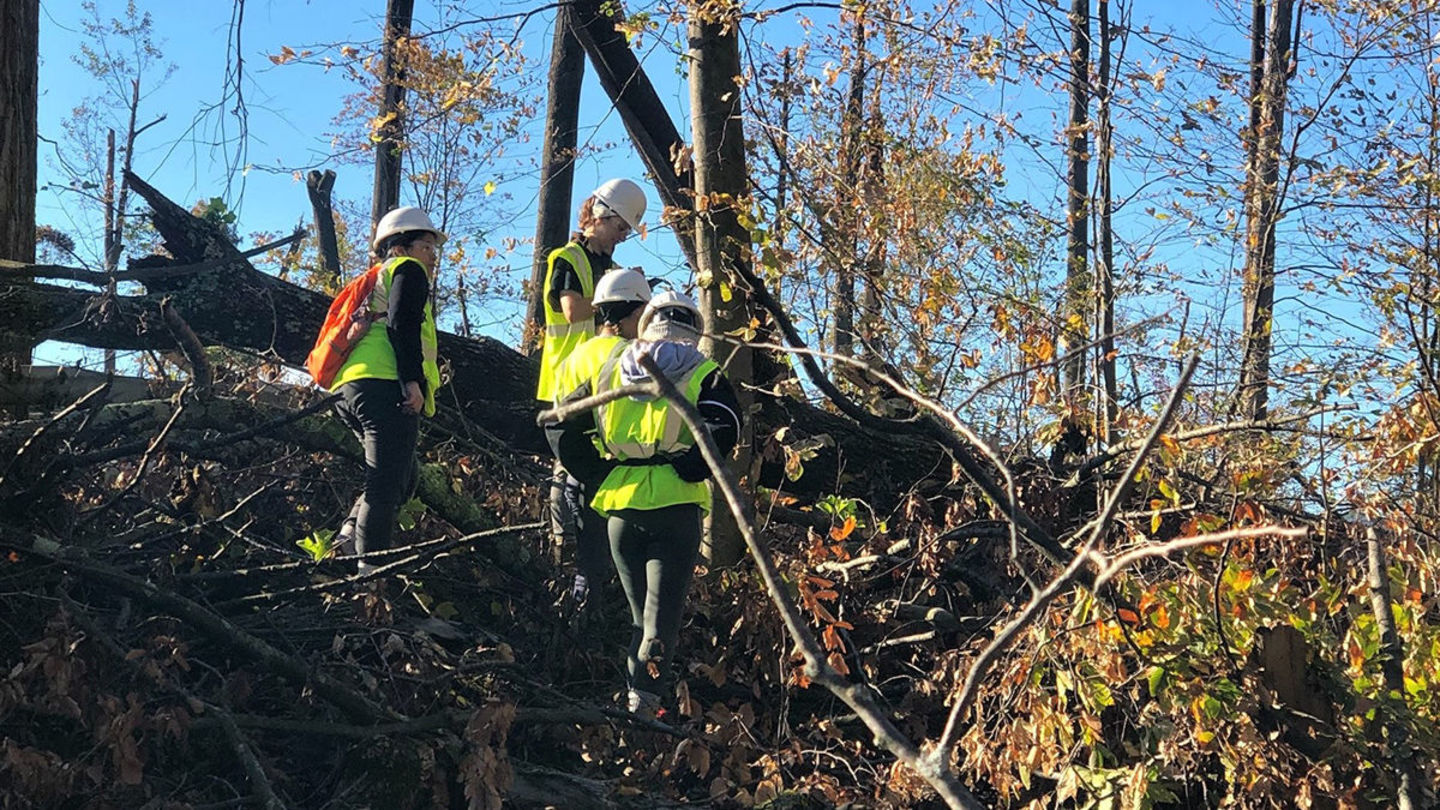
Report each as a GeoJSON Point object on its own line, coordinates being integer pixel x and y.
{"type": "Point", "coordinates": [408, 292]}
{"type": "Point", "coordinates": [721, 411]}
{"type": "Point", "coordinates": [563, 278]}
{"type": "Point", "coordinates": [570, 441]}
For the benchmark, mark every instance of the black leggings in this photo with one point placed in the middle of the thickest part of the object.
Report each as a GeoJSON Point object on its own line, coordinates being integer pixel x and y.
{"type": "Point", "coordinates": [654, 551]}
{"type": "Point", "coordinates": [371, 408]}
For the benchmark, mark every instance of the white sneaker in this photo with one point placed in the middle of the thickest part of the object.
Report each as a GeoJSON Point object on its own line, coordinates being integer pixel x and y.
{"type": "Point", "coordinates": [645, 704]}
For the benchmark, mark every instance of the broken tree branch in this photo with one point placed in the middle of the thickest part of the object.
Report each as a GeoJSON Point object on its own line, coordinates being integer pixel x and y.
{"type": "Point", "coordinates": [342, 696]}
{"type": "Point", "coordinates": [857, 696]}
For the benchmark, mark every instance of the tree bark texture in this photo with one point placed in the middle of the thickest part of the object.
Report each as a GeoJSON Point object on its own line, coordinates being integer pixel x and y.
{"type": "Point", "coordinates": [19, 100]}
{"type": "Point", "coordinates": [1271, 75]}
{"type": "Point", "coordinates": [398, 14]}
{"type": "Point", "coordinates": [557, 163]}
{"type": "Point", "coordinates": [641, 110]}
{"type": "Point", "coordinates": [319, 186]}
{"type": "Point", "coordinates": [721, 242]}
{"type": "Point", "coordinates": [1078, 302]}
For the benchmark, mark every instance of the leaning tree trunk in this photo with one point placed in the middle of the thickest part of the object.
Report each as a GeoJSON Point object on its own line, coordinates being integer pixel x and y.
{"type": "Point", "coordinates": [227, 302]}
{"type": "Point", "coordinates": [641, 110]}
{"type": "Point", "coordinates": [19, 99]}
{"type": "Point", "coordinates": [557, 164]}
{"type": "Point", "coordinates": [1270, 77]}
{"type": "Point", "coordinates": [721, 242]}
{"type": "Point", "coordinates": [398, 14]}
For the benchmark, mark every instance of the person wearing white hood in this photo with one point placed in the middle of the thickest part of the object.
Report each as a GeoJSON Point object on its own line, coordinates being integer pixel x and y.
{"type": "Point", "coordinates": [649, 478]}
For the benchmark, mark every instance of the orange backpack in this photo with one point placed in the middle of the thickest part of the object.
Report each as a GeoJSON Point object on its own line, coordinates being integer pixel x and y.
{"type": "Point", "coordinates": [347, 321]}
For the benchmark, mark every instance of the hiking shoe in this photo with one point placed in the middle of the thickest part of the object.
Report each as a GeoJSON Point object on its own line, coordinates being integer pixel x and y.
{"type": "Point", "coordinates": [642, 703]}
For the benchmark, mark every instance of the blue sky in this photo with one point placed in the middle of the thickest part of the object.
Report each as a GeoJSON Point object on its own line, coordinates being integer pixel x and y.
{"type": "Point", "coordinates": [290, 111]}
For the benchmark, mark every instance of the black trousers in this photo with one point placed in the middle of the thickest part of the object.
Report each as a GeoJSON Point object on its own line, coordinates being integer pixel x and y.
{"type": "Point", "coordinates": [371, 409]}
{"type": "Point", "coordinates": [654, 552]}
{"type": "Point", "coordinates": [573, 522]}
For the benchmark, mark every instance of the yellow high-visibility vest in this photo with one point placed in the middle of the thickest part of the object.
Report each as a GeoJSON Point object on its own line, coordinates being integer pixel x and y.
{"type": "Point", "coordinates": [561, 336]}
{"type": "Point", "coordinates": [373, 358]}
{"type": "Point", "coordinates": [635, 430]}
{"type": "Point", "coordinates": [582, 364]}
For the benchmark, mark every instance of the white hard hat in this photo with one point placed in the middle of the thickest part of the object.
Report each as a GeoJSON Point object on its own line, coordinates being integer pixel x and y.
{"type": "Point", "coordinates": [402, 220]}
{"type": "Point", "coordinates": [671, 316]}
{"type": "Point", "coordinates": [622, 198]}
{"type": "Point", "coordinates": [619, 286]}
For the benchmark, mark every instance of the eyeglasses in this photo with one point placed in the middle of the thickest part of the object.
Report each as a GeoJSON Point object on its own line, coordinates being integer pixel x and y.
{"type": "Point", "coordinates": [680, 315]}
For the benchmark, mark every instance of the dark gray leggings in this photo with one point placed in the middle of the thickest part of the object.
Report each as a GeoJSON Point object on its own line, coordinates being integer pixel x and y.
{"type": "Point", "coordinates": [371, 408]}
{"type": "Point", "coordinates": [654, 552]}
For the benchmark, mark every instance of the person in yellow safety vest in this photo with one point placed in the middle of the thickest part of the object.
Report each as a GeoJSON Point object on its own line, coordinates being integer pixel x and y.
{"type": "Point", "coordinates": [390, 377]}
{"type": "Point", "coordinates": [649, 478]}
{"type": "Point", "coordinates": [620, 297]}
{"type": "Point", "coordinates": [607, 217]}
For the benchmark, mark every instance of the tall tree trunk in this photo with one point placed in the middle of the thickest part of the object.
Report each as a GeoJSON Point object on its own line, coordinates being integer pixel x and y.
{"type": "Point", "coordinates": [19, 99]}
{"type": "Point", "coordinates": [1427, 480]}
{"type": "Point", "coordinates": [641, 110]}
{"type": "Point", "coordinates": [1078, 301]}
{"type": "Point", "coordinates": [398, 14]}
{"type": "Point", "coordinates": [111, 237]}
{"type": "Point", "coordinates": [846, 206]}
{"type": "Point", "coordinates": [1105, 235]}
{"type": "Point", "coordinates": [557, 164]}
{"type": "Point", "coordinates": [1270, 76]}
{"type": "Point", "coordinates": [721, 242]}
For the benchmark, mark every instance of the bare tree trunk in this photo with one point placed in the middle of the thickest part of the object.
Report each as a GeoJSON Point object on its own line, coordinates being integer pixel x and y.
{"type": "Point", "coordinates": [721, 242]}
{"type": "Point", "coordinates": [319, 186]}
{"type": "Point", "coordinates": [846, 207]}
{"type": "Point", "coordinates": [640, 108]}
{"type": "Point", "coordinates": [398, 14]}
{"type": "Point", "coordinates": [1270, 75]}
{"type": "Point", "coordinates": [1105, 235]}
{"type": "Point", "coordinates": [19, 99]}
{"type": "Point", "coordinates": [1078, 304]}
{"type": "Point", "coordinates": [873, 189]}
{"type": "Point", "coordinates": [111, 238]}
{"type": "Point", "coordinates": [557, 164]}
{"type": "Point", "coordinates": [1392, 657]}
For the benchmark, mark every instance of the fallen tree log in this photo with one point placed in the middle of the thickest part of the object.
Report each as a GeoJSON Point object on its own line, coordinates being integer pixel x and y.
{"type": "Point", "coordinates": [228, 302]}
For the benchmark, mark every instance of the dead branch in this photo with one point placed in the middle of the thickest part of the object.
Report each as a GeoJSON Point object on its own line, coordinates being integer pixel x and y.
{"type": "Point", "coordinates": [154, 444]}
{"type": "Point", "coordinates": [857, 696]}
{"type": "Point", "coordinates": [201, 374]}
{"type": "Point", "coordinates": [426, 553]}
{"type": "Point", "coordinates": [1061, 583]}
{"type": "Point", "coordinates": [223, 717]}
{"type": "Point", "coordinates": [79, 404]}
{"type": "Point", "coordinates": [1267, 425]}
{"type": "Point", "coordinates": [352, 703]}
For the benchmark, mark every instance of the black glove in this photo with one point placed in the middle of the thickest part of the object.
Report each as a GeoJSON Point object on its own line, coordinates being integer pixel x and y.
{"type": "Point", "coordinates": [691, 466]}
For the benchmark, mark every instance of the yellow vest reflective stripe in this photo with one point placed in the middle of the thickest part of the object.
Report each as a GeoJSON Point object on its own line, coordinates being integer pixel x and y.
{"type": "Point", "coordinates": [373, 358]}
{"type": "Point", "coordinates": [562, 336]}
{"type": "Point", "coordinates": [629, 429]}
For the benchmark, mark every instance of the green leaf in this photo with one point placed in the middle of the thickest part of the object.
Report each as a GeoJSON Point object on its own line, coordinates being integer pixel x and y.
{"type": "Point", "coordinates": [1155, 680]}
{"type": "Point", "coordinates": [319, 545]}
